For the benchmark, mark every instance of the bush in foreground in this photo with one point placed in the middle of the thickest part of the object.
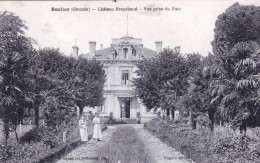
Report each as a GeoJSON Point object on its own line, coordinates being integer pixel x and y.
{"type": "Point", "coordinates": [203, 146]}
{"type": "Point", "coordinates": [35, 142]}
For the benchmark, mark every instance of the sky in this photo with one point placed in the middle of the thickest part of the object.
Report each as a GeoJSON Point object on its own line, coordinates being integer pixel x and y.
{"type": "Point", "coordinates": [191, 26]}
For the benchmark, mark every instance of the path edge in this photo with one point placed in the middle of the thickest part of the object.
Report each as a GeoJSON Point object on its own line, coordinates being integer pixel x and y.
{"type": "Point", "coordinates": [55, 154]}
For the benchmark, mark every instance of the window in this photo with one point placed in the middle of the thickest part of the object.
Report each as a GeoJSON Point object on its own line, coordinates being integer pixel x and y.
{"type": "Point", "coordinates": [125, 52]}
{"type": "Point", "coordinates": [125, 77]}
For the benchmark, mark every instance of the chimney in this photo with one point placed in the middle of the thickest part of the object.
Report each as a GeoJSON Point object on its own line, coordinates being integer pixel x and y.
{"type": "Point", "coordinates": [158, 45]}
{"type": "Point", "coordinates": [75, 51]}
{"type": "Point", "coordinates": [101, 46]}
{"type": "Point", "coordinates": [92, 48]}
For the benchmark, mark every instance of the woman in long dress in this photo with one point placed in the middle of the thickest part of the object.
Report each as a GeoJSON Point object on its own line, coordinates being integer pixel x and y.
{"type": "Point", "coordinates": [83, 128]}
{"type": "Point", "coordinates": [97, 127]}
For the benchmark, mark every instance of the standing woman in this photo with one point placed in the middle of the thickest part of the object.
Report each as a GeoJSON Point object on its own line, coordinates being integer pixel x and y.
{"type": "Point", "coordinates": [83, 128]}
{"type": "Point", "coordinates": [97, 127]}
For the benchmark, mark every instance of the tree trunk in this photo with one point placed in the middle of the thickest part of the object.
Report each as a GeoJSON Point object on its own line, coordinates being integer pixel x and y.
{"type": "Point", "coordinates": [21, 120]}
{"type": "Point", "coordinates": [194, 124]}
{"type": "Point", "coordinates": [80, 110]}
{"type": "Point", "coordinates": [173, 113]}
{"type": "Point", "coordinates": [6, 138]}
{"type": "Point", "coordinates": [168, 112]}
{"type": "Point", "coordinates": [36, 114]}
{"type": "Point", "coordinates": [81, 107]}
{"type": "Point", "coordinates": [37, 110]}
{"type": "Point", "coordinates": [211, 114]}
{"type": "Point", "coordinates": [6, 129]}
{"type": "Point", "coordinates": [242, 127]}
{"type": "Point", "coordinates": [16, 136]}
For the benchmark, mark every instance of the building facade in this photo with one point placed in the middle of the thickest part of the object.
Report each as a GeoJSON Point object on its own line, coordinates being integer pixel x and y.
{"type": "Point", "coordinates": [119, 61]}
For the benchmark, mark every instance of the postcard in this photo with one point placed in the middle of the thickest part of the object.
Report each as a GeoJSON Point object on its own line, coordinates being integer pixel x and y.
{"type": "Point", "coordinates": [129, 81]}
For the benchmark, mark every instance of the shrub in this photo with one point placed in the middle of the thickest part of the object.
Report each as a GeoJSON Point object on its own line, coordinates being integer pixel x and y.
{"type": "Point", "coordinates": [49, 136]}
{"type": "Point", "coordinates": [19, 152]}
{"type": "Point", "coordinates": [202, 146]}
{"type": "Point", "coordinates": [36, 141]}
{"type": "Point", "coordinates": [33, 135]}
{"type": "Point", "coordinates": [236, 149]}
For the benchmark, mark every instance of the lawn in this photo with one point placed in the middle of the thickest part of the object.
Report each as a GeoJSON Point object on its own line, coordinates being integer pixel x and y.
{"type": "Point", "coordinates": [125, 146]}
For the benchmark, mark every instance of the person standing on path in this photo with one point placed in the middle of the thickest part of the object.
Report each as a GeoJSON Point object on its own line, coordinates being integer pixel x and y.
{"type": "Point", "coordinates": [97, 127]}
{"type": "Point", "coordinates": [83, 128]}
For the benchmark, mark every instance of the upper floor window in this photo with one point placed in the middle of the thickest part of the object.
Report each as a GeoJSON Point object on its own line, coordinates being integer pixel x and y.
{"type": "Point", "coordinates": [125, 52]}
{"type": "Point", "coordinates": [125, 77]}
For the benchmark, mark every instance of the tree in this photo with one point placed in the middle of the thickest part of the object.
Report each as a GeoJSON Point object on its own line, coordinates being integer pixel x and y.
{"type": "Point", "coordinates": [199, 91]}
{"type": "Point", "coordinates": [71, 82]}
{"type": "Point", "coordinates": [161, 80]}
{"type": "Point", "coordinates": [237, 24]}
{"type": "Point", "coordinates": [147, 85]}
{"type": "Point", "coordinates": [176, 87]}
{"type": "Point", "coordinates": [54, 77]}
{"type": "Point", "coordinates": [89, 83]}
{"type": "Point", "coordinates": [46, 81]}
{"type": "Point", "coordinates": [238, 83]}
{"type": "Point", "coordinates": [235, 46]}
{"type": "Point", "coordinates": [15, 51]}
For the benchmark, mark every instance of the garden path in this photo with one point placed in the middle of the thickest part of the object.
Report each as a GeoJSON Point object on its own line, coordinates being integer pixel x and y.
{"type": "Point", "coordinates": [161, 152]}
{"type": "Point", "coordinates": [87, 152]}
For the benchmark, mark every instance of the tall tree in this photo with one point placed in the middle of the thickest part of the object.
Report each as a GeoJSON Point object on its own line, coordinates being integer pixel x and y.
{"type": "Point", "coordinates": [237, 24]}
{"type": "Point", "coordinates": [238, 83]}
{"type": "Point", "coordinates": [161, 79]}
{"type": "Point", "coordinates": [15, 51]}
{"type": "Point", "coordinates": [176, 88]}
{"type": "Point", "coordinates": [235, 45]}
{"type": "Point", "coordinates": [199, 91]}
{"type": "Point", "coordinates": [72, 82]}
{"type": "Point", "coordinates": [89, 83]}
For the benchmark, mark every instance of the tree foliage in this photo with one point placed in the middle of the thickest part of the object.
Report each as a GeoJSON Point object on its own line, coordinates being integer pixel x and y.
{"type": "Point", "coordinates": [15, 51]}
{"type": "Point", "coordinates": [237, 24]}
{"type": "Point", "coordinates": [158, 76]}
{"type": "Point", "coordinates": [44, 82]}
{"type": "Point", "coordinates": [199, 92]}
{"type": "Point", "coordinates": [236, 47]}
{"type": "Point", "coordinates": [238, 82]}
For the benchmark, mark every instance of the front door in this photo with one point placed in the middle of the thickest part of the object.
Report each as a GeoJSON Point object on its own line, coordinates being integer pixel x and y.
{"type": "Point", "coordinates": [125, 107]}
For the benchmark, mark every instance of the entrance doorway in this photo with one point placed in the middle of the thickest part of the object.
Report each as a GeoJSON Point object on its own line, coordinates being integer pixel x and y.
{"type": "Point", "coordinates": [125, 107]}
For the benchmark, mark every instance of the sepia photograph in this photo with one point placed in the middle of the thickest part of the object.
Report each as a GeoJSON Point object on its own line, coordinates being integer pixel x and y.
{"type": "Point", "coordinates": [122, 81]}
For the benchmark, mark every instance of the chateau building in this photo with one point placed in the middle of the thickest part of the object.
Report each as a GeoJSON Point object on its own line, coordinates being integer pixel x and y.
{"type": "Point", "coordinates": [119, 64]}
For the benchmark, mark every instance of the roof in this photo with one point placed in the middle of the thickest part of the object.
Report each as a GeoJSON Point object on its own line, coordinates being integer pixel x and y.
{"type": "Point", "coordinates": [104, 53]}
{"type": "Point", "coordinates": [107, 53]}
{"type": "Point", "coordinates": [117, 43]}
{"type": "Point", "coordinates": [147, 53]}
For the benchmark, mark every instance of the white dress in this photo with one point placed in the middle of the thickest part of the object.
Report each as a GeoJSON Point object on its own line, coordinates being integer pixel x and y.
{"type": "Point", "coordinates": [83, 129]}
{"type": "Point", "coordinates": [97, 128]}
